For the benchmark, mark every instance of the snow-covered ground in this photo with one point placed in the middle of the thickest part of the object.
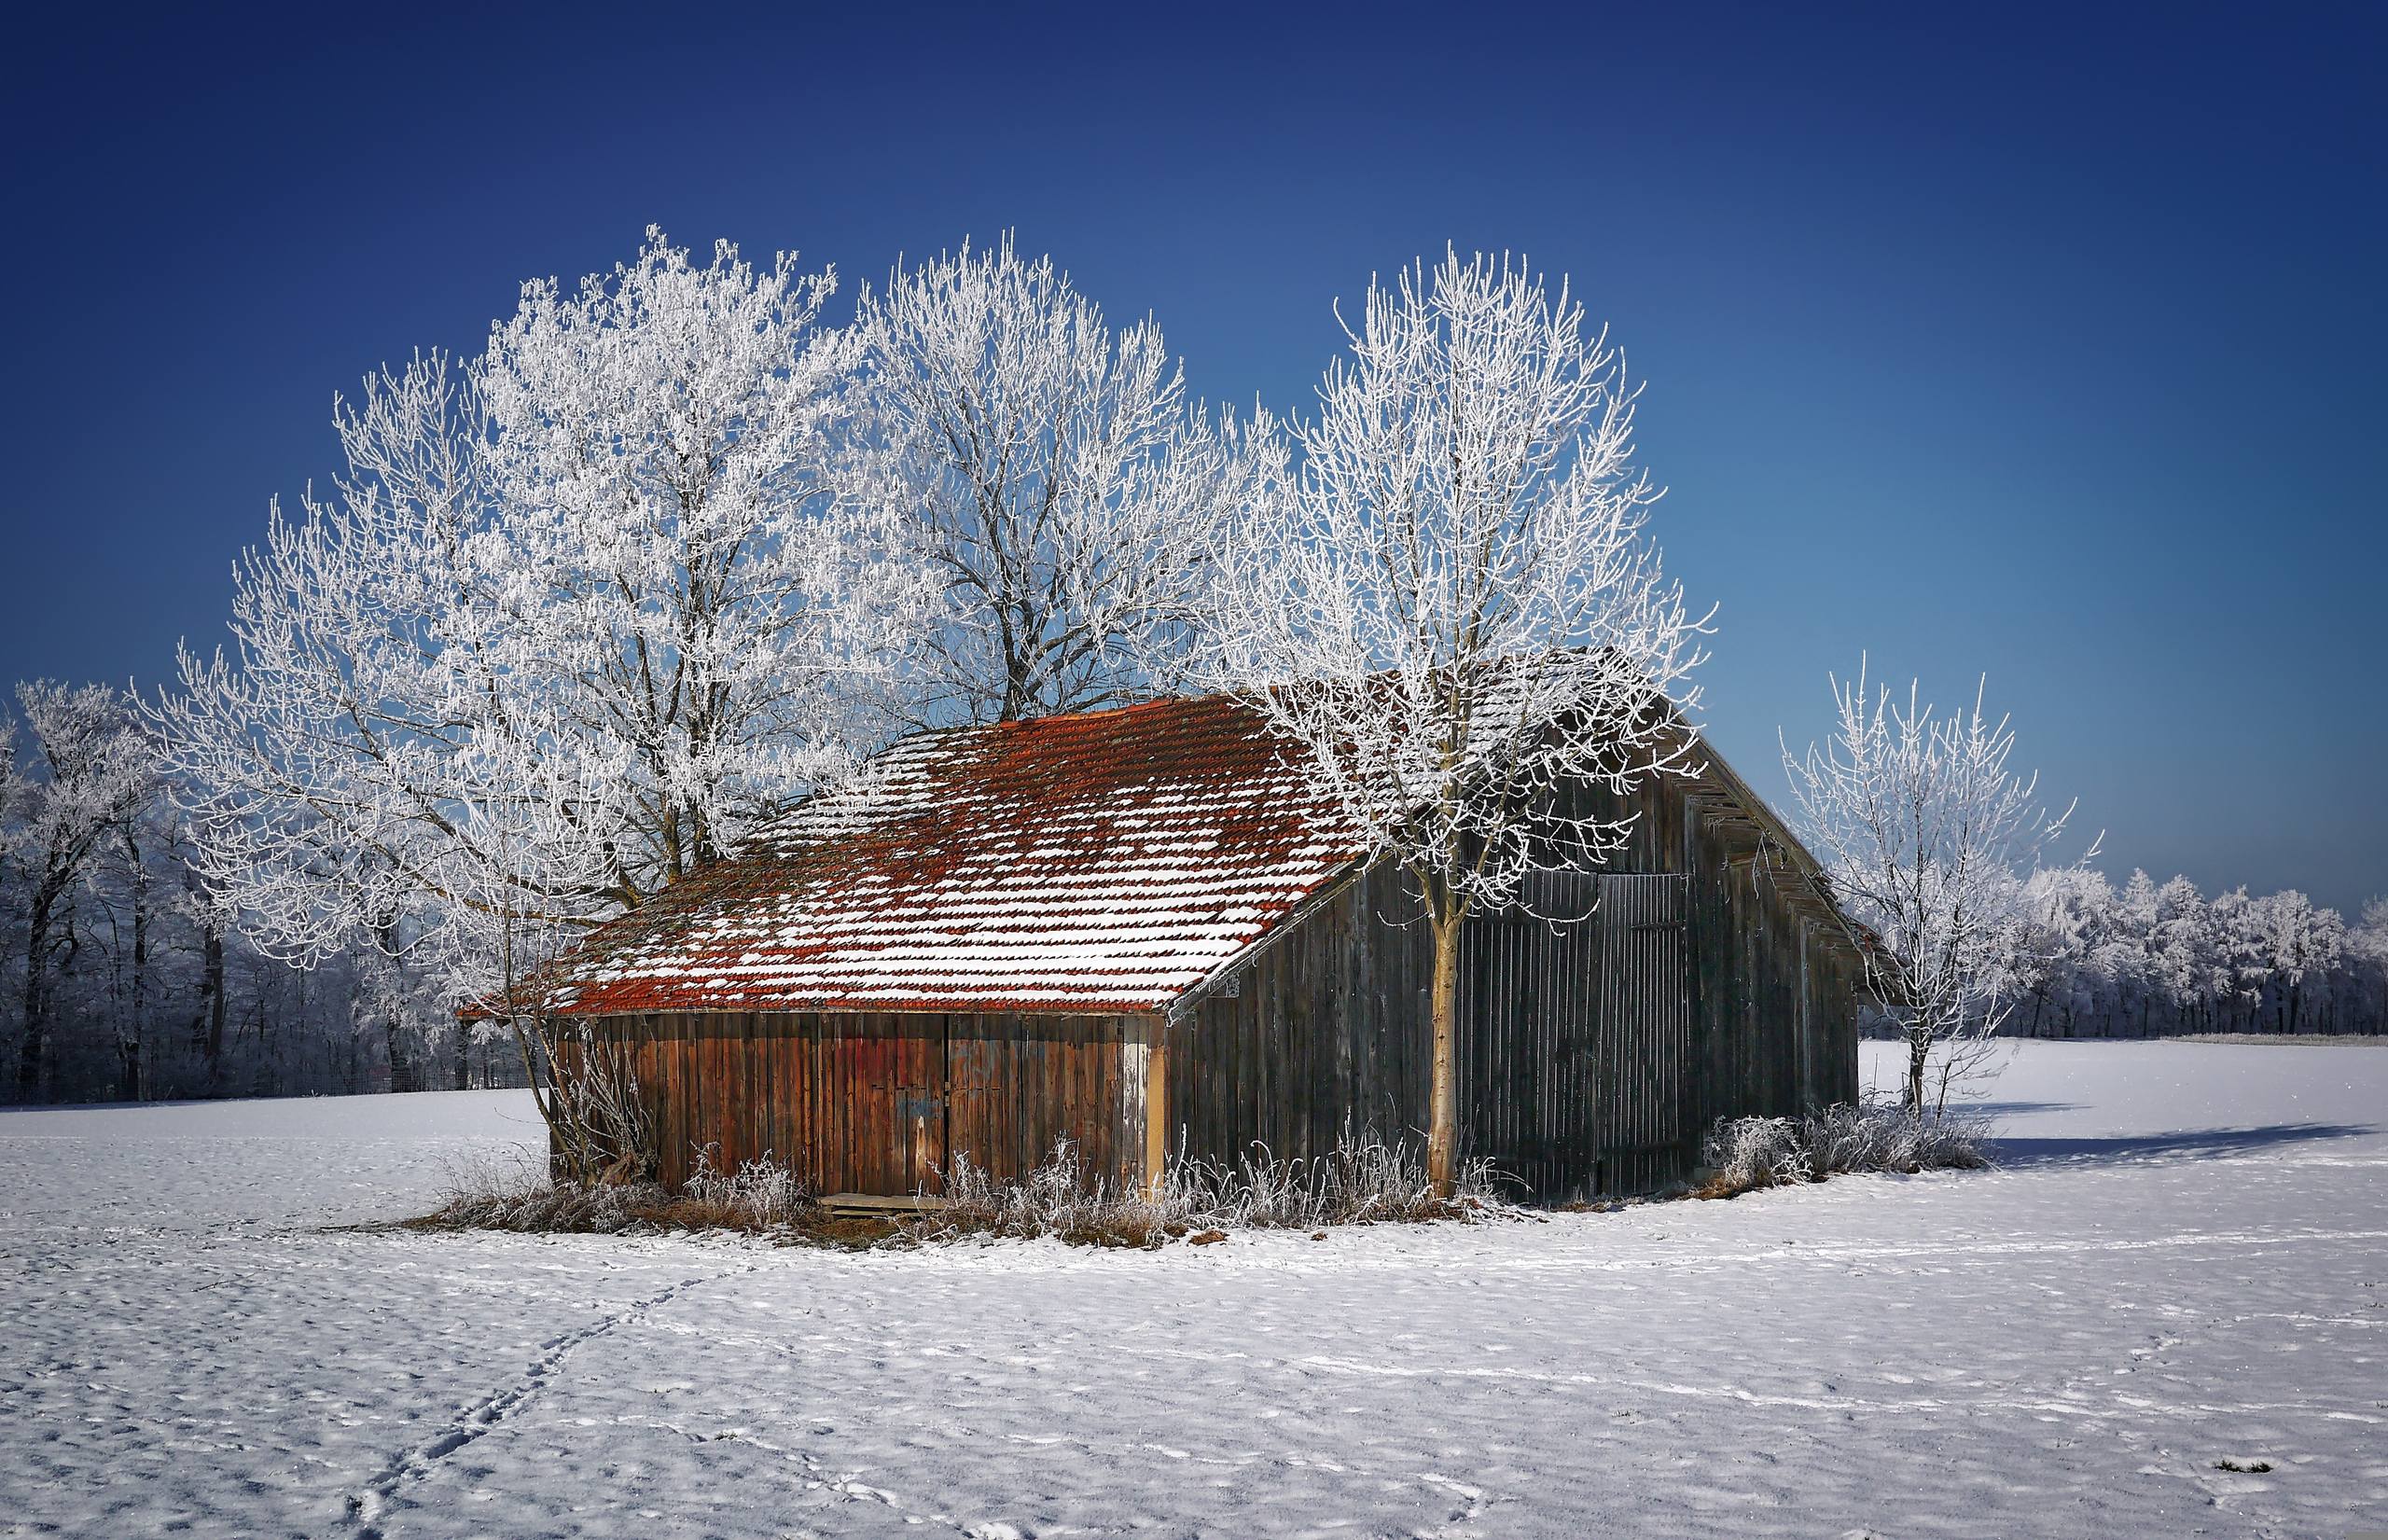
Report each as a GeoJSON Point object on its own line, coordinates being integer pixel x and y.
{"type": "Point", "coordinates": [2184, 1261]}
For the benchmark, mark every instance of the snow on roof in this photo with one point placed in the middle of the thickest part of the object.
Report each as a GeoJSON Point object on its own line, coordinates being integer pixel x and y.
{"type": "Point", "coordinates": [1102, 861]}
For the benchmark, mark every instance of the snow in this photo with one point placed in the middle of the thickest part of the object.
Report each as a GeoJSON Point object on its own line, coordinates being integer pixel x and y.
{"type": "Point", "coordinates": [2182, 1261]}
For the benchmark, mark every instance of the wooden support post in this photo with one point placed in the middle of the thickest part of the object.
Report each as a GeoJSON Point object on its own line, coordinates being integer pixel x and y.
{"type": "Point", "coordinates": [1155, 1105]}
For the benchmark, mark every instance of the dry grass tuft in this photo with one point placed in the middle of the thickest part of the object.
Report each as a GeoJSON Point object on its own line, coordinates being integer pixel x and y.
{"type": "Point", "coordinates": [760, 1198]}
{"type": "Point", "coordinates": [1362, 1180]}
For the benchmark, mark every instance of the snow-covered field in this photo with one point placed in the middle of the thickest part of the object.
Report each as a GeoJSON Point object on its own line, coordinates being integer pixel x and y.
{"type": "Point", "coordinates": [2185, 1260]}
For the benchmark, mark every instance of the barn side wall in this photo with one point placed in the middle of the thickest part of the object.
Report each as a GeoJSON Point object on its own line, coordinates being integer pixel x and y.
{"type": "Point", "coordinates": [884, 1103]}
{"type": "Point", "coordinates": [1579, 1072]}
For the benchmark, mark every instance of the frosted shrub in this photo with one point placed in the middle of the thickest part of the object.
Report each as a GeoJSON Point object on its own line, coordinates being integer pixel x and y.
{"type": "Point", "coordinates": [1871, 1136]}
{"type": "Point", "coordinates": [1059, 1198]}
{"type": "Point", "coordinates": [1362, 1179]}
{"type": "Point", "coordinates": [1756, 1152]}
{"type": "Point", "coordinates": [1878, 1136]}
{"type": "Point", "coordinates": [519, 1195]}
{"type": "Point", "coordinates": [600, 1126]}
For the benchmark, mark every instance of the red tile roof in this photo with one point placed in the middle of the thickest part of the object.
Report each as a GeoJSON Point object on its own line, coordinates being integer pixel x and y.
{"type": "Point", "coordinates": [1104, 862]}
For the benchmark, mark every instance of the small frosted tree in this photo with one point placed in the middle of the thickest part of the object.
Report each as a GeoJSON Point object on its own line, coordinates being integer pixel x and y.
{"type": "Point", "coordinates": [1053, 480]}
{"type": "Point", "coordinates": [1454, 607]}
{"type": "Point", "coordinates": [1928, 835]}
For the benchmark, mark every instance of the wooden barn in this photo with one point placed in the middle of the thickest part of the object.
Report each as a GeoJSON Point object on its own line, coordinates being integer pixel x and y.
{"type": "Point", "coordinates": [1136, 928]}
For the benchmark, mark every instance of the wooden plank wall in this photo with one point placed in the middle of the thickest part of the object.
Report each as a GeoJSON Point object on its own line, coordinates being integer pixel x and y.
{"type": "Point", "coordinates": [1532, 1056]}
{"type": "Point", "coordinates": [1774, 982]}
{"type": "Point", "coordinates": [1327, 1028]}
{"type": "Point", "coordinates": [880, 1103]}
{"type": "Point", "coordinates": [1581, 1072]}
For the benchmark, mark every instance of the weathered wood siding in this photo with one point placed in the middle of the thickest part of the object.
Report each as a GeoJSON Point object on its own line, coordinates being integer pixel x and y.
{"type": "Point", "coordinates": [1700, 978]}
{"type": "Point", "coordinates": [1576, 1047]}
{"type": "Point", "coordinates": [882, 1103]}
{"type": "Point", "coordinates": [1326, 1027]}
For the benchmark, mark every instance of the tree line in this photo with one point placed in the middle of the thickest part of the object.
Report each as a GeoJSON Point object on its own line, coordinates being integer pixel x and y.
{"type": "Point", "coordinates": [2146, 959]}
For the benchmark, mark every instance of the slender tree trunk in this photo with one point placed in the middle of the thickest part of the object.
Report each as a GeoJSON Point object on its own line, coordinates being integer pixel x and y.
{"type": "Point", "coordinates": [212, 987]}
{"type": "Point", "coordinates": [128, 1046]}
{"type": "Point", "coordinates": [33, 1051]}
{"type": "Point", "coordinates": [1443, 1133]}
{"type": "Point", "coordinates": [402, 1076]}
{"type": "Point", "coordinates": [1919, 1056]}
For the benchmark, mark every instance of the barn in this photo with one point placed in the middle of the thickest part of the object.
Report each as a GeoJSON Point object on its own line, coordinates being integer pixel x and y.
{"type": "Point", "coordinates": [1137, 928]}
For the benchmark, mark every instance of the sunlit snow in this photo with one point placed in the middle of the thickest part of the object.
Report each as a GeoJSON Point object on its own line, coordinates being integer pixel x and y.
{"type": "Point", "coordinates": [2184, 1261]}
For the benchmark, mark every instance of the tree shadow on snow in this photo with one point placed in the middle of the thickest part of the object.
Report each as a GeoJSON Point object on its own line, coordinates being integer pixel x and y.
{"type": "Point", "coordinates": [2193, 1144]}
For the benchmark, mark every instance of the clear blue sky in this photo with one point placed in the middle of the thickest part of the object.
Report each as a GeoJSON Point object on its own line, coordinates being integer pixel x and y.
{"type": "Point", "coordinates": [2048, 345]}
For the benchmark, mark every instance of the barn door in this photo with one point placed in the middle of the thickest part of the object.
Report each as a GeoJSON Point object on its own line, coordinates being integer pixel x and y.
{"type": "Point", "coordinates": [1645, 1028]}
{"type": "Point", "coordinates": [1527, 1048]}
{"type": "Point", "coordinates": [981, 1100]}
{"type": "Point", "coordinates": [898, 1137]}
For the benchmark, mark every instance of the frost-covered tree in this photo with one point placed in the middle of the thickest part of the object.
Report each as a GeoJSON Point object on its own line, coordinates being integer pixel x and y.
{"type": "Point", "coordinates": [2060, 953]}
{"type": "Point", "coordinates": [1454, 606]}
{"type": "Point", "coordinates": [2237, 959]}
{"type": "Point", "coordinates": [2175, 956]}
{"type": "Point", "coordinates": [1054, 480]}
{"type": "Point", "coordinates": [91, 773]}
{"type": "Point", "coordinates": [577, 614]}
{"type": "Point", "coordinates": [678, 572]}
{"type": "Point", "coordinates": [2300, 947]}
{"type": "Point", "coordinates": [1928, 834]}
{"type": "Point", "coordinates": [2368, 947]}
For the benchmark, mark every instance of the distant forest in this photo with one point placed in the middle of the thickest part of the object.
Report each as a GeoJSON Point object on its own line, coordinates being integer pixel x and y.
{"type": "Point", "coordinates": [2149, 959]}
{"type": "Point", "coordinates": [125, 981]}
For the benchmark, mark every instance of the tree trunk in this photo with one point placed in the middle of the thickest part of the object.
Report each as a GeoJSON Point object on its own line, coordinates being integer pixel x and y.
{"type": "Point", "coordinates": [1918, 1055]}
{"type": "Point", "coordinates": [128, 1046]}
{"type": "Point", "coordinates": [212, 987]}
{"type": "Point", "coordinates": [1442, 1134]}
{"type": "Point", "coordinates": [394, 1039]}
{"type": "Point", "coordinates": [33, 1049]}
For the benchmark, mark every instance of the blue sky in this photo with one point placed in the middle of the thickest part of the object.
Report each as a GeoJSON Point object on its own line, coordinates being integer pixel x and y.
{"type": "Point", "coordinates": [2041, 345]}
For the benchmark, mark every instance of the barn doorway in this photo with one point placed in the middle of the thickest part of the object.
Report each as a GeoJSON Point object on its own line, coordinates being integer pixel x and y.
{"type": "Point", "coordinates": [1575, 1033]}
